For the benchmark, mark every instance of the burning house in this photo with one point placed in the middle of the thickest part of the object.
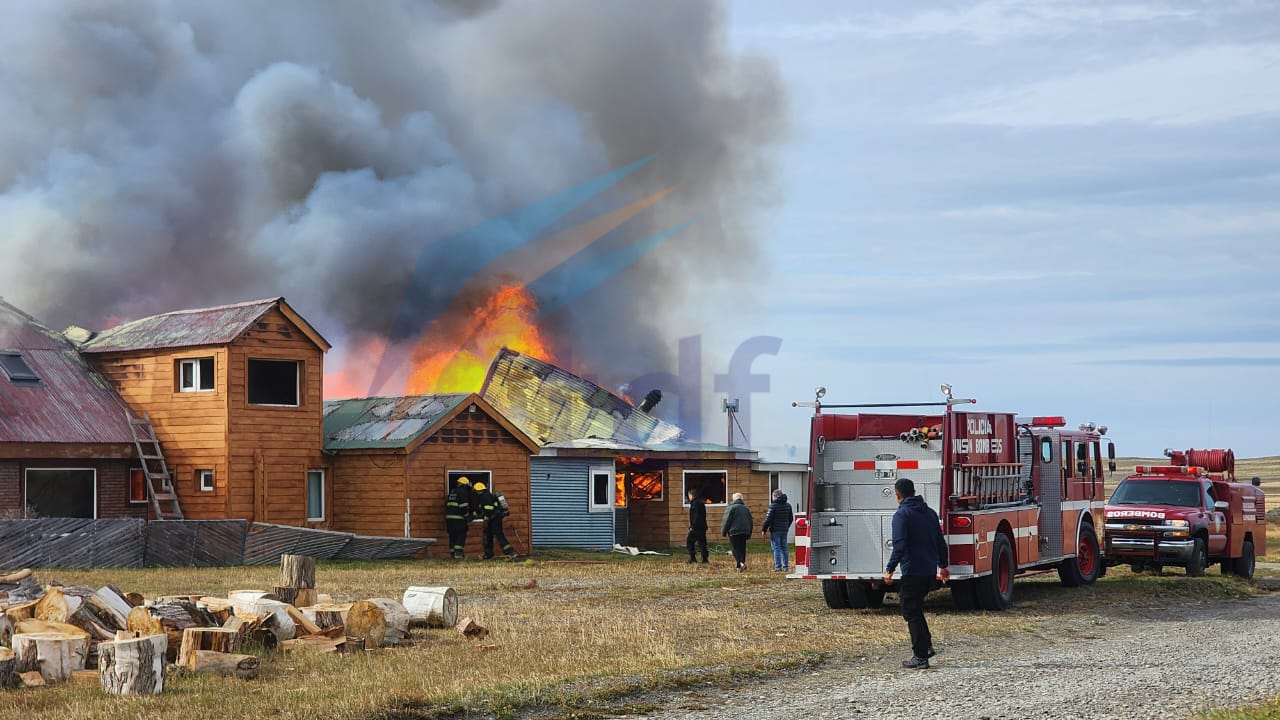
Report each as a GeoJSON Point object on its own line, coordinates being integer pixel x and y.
{"type": "Point", "coordinates": [65, 445]}
{"type": "Point", "coordinates": [607, 472]}
{"type": "Point", "coordinates": [394, 459]}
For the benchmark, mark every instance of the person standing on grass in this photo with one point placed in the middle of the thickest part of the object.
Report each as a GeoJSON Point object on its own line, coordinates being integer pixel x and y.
{"type": "Point", "coordinates": [737, 525]}
{"type": "Point", "coordinates": [917, 544]}
{"type": "Point", "coordinates": [697, 525]}
{"type": "Point", "coordinates": [457, 514]}
{"type": "Point", "coordinates": [492, 512]}
{"type": "Point", "coordinates": [776, 524]}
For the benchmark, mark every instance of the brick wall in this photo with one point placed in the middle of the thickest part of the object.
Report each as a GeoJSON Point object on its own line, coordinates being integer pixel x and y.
{"type": "Point", "coordinates": [10, 490]}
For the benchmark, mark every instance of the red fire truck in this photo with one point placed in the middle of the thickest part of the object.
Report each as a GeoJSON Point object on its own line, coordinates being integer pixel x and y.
{"type": "Point", "coordinates": [1189, 513]}
{"type": "Point", "coordinates": [1014, 494]}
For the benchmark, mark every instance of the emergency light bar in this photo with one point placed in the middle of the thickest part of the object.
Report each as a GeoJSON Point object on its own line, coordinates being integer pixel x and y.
{"type": "Point", "coordinates": [1168, 470]}
{"type": "Point", "coordinates": [1042, 420]}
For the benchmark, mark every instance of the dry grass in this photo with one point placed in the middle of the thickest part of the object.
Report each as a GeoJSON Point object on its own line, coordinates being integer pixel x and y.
{"type": "Point", "coordinates": [1269, 710]}
{"type": "Point", "coordinates": [585, 632]}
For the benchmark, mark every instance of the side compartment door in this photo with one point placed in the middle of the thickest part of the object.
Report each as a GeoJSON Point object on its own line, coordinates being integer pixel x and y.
{"type": "Point", "coordinates": [1217, 523]}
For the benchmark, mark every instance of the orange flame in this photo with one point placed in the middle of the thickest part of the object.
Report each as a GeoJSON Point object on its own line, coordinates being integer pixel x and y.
{"type": "Point", "coordinates": [455, 357]}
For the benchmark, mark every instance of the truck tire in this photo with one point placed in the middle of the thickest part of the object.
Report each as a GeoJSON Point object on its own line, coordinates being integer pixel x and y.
{"type": "Point", "coordinates": [833, 592]}
{"type": "Point", "coordinates": [1244, 565]}
{"type": "Point", "coordinates": [1199, 559]}
{"type": "Point", "coordinates": [995, 591]}
{"type": "Point", "coordinates": [856, 591]}
{"type": "Point", "coordinates": [875, 598]}
{"type": "Point", "coordinates": [965, 594]}
{"type": "Point", "coordinates": [1082, 569]}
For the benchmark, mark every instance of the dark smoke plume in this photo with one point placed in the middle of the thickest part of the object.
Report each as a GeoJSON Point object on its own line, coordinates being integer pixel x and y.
{"type": "Point", "coordinates": [157, 155]}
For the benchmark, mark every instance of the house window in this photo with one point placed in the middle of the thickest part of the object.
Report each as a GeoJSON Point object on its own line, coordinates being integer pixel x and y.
{"type": "Point", "coordinates": [137, 485]}
{"type": "Point", "coordinates": [315, 495]}
{"type": "Point", "coordinates": [774, 483]}
{"type": "Point", "coordinates": [195, 375]}
{"type": "Point", "coordinates": [15, 368]}
{"type": "Point", "coordinates": [602, 489]}
{"type": "Point", "coordinates": [638, 479]}
{"type": "Point", "coordinates": [713, 484]}
{"type": "Point", "coordinates": [274, 382]}
{"type": "Point", "coordinates": [62, 492]}
{"type": "Point", "coordinates": [204, 480]}
{"type": "Point", "coordinates": [475, 476]}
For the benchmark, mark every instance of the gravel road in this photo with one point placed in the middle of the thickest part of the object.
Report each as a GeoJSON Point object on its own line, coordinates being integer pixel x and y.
{"type": "Point", "coordinates": [1165, 663]}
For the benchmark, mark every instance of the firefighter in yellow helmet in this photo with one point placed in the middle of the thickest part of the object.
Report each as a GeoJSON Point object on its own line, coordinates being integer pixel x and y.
{"type": "Point", "coordinates": [492, 510]}
{"type": "Point", "coordinates": [457, 513]}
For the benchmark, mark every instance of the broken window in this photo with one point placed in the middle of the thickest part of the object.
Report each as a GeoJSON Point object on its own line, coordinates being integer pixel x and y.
{"type": "Point", "coordinates": [639, 479]}
{"type": "Point", "coordinates": [274, 382]}
{"type": "Point", "coordinates": [137, 485]}
{"type": "Point", "coordinates": [195, 375]}
{"type": "Point", "coordinates": [315, 495]}
{"type": "Point", "coordinates": [602, 489]}
{"type": "Point", "coordinates": [712, 484]}
{"type": "Point", "coordinates": [63, 492]}
{"type": "Point", "coordinates": [15, 368]}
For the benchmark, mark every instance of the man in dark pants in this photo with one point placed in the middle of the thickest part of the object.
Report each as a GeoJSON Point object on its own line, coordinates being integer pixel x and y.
{"type": "Point", "coordinates": [917, 544]}
{"type": "Point", "coordinates": [492, 512]}
{"type": "Point", "coordinates": [697, 526]}
{"type": "Point", "coordinates": [457, 513]}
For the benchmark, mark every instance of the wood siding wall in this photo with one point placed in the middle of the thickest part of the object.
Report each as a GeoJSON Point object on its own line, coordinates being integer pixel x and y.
{"type": "Point", "coordinates": [112, 477]}
{"type": "Point", "coordinates": [259, 455]}
{"type": "Point", "coordinates": [665, 524]}
{"type": "Point", "coordinates": [368, 492]}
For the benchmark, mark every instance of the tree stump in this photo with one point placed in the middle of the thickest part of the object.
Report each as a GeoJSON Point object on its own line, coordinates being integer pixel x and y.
{"type": "Point", "coordinates": [55, 655]}
{"type": "Point", "coordinates": [43, 626]}
{"type": "Point", "coordinates": [8, 665]}
{"type": "Point", "coordinates": [298, 571]}
{"type": "Point", "coordinates": [396, 620]}
{"type": "Point", "coordinates": [364, 619]}
{"type": "Point", "coordinates": [218, 639]}
{"type": "Point", "coordinates": [435, 607]}
{"type": "Point", "coordinates": [297, 597]}
{"type": "Point", "coordinates": [133, 665]}
{"type": "Point", "coordinates": [325, 616]}
{"type": "Point", "coordinates": [244, 667]}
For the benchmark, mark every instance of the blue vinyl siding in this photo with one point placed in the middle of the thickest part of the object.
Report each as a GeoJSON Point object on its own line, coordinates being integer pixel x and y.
{"type": "Point", "coordinates": [559, 493]}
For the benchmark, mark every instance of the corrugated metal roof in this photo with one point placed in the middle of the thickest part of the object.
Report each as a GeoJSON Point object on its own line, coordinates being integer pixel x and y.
{"type": "Point", "coordinates": [384, 422]}
{"type": "Point", "coordinates": [182, 328]}
{"type": "Point", "coordinates": [671, 446]}
{"type": "Point", "coordinates": [552, 405]}
{"type": "Point", "coordinates": [71, 404]}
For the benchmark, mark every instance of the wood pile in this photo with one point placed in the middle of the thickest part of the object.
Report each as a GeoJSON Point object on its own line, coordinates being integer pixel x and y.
{"type": "Point", "coordinates": [129, 645]}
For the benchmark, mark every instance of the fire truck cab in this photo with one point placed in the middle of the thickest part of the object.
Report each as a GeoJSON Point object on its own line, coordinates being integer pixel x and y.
{"type": "Point", "coordinates": [1013, 494]}
{"type": "Point", "coordinates": [1188, 513]}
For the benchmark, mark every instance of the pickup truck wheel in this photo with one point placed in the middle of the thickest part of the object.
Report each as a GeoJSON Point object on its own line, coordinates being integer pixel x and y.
{"type": "Point", "coordinates": [995, 591]}
{"type": "Point", "coordinates": [965, 594]}
{"type": "Point", "coordinates": [833, 593]}
{"type": "Point", "coordinates": [1137, 567]}
{"type": "Point", "coordinates": [1244, 565]}
{"type": "Point", "coordinates": [856, 591]}
{"type": "Point", "coordinates": [1083, 568]}
{"type": "Point", "coordinates": [1199, 559]}
{"type": "Point", "coordinates": [875, 598]}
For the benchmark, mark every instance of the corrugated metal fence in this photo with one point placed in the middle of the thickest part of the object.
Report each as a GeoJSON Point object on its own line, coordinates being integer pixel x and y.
{"type": "Point", "coordinates": [80, 543]}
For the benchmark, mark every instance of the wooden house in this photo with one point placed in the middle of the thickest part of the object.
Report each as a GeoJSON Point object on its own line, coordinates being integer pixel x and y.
{"type": "Point", "coordinates": [608, 472]}
{"type": "Point", "coordinates": [65, 445]}
{"type": "Point", "coordinates": [394, 459]}
{"type": "Point", "coordinates": [234, 395]}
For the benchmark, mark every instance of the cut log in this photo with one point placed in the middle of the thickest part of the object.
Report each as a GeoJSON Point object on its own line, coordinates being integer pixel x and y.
{"type": "Point", "coordinates": [176, 616]}
{"type": "Point", "coordinates": [472, 629]}
{"type": "Point", "coordinates": [108, 600]}
{"type": "Point", "coordinates": [140, 621]}
{"type": "Point", "coordinates": [244, 600]}
{"type": "Point", "coordinates": [303, 623]}
{"type": "Point", "coordinates": [244, 667]}
{"type": "Point", "coordinates": [87, 620]}
{"type": "Point", "coordinates": [221, 640]}
{"type": "Point", "coordinates": [31, 679]}
{"type": "Point", "coordinates": [135, 599]}
{"type": "Point", "coordinates": [86, 677]}
{"type": "Point", "coordinates": [56, 606]}
{"type": "Point", "coordinates": [263, 638]}
{"type": "Point", "coordinates": [55, 655]}
{"type": "Point", "coordinates": [33, 626]}
{"type": "Point", "coordinates": [219, 608]}
{"type": "Point", "coordinates": [435, 607]}
{"type": "Point", "coordinates": [21, 611]}
{"type": "Point", "coordinates": [364, 619]}
{"type": "Point", "coordinates": [314, 643]}
{"type": "Point", "coordinates": [8, 664]}
{"type": "Point", "coordinates": [163, 599]}
{"type": "Point", "coordinates": [325, 616]}
{"type": "Point", "coordinates": [283, 624]}
{"type": "Point", "coordinates": [297, 571]}
{"type": "Point", "coordinates": [297, 597]}
{"type": "Point", "coordinates": [133, 666]}
{"type": "Point", "coordinates": [15, 576]}
{"type": "Point", "coordinates": [397, 620]}
{"type": "Point", "coordinates": [6, 631]}
{"type": "Point", "coordinates": [353, 644]}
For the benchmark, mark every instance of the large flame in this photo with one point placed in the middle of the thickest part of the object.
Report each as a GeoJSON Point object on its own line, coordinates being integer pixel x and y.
{"type": "Point", "coordinates": [457, 361]}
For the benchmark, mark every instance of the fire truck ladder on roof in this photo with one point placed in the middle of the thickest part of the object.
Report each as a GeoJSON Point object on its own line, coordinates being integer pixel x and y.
{"type": "Point", "coordinates": [164, 499]}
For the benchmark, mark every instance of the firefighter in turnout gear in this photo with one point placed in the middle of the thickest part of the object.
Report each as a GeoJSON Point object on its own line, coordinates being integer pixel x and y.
{"type": "Point", "coordinates": [493, 510]}
{"type": "Point", "coordinates": [457, 513]}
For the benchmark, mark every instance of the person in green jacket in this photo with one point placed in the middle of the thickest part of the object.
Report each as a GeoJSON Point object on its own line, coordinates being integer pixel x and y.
{"type": "Point", "coordinates": [738, 525]}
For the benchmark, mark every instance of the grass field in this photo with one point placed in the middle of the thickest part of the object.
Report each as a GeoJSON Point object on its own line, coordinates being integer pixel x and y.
{"type": "Point", "coordinates": [568, 630]}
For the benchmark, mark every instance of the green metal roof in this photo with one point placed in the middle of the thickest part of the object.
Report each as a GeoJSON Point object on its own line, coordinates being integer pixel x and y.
{"type": "Point", "coordinates": [384, 422]}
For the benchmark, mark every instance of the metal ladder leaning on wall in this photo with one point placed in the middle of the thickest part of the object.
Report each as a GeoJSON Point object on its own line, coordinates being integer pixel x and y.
{"type": "Point", "coordinates": [164, 499]}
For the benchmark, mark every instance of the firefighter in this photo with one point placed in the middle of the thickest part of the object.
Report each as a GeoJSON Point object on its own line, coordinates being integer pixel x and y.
{"type": "Point", "coordinates": [492, 511]}
{"type": "Point", "coordinates": [917, 544]}
{"type": "Point", "coordinates": [457, 513]}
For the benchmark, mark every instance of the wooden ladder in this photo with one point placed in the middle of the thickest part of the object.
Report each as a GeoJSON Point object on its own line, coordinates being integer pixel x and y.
{"type": "Point", "coordinates": [164, 499]}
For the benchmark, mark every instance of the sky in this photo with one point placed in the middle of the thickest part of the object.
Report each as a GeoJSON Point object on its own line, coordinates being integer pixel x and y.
{"type": "Point", "coordinates": [1059, 208]}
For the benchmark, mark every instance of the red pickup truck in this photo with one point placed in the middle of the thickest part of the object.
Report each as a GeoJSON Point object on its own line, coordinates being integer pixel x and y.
{"type": "Point", "coordinates": [1184, 514]}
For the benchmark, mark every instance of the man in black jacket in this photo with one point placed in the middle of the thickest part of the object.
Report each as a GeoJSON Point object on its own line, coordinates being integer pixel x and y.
{"type": "Point", "coordinates": [776, 524]}
{"type": "Point", "coordinates": [697, 526]}
{"type": "Point", "coordinates": [917, 544]}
